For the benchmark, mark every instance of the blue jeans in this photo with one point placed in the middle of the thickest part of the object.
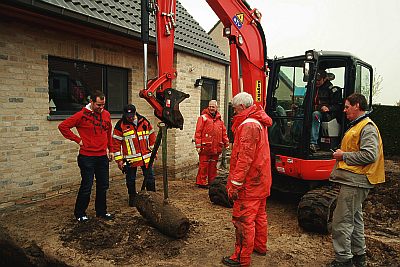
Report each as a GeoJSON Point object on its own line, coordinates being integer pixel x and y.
{"type": "Point", "coordinates": [315, 126]}
{"type": "Point", "coordinates": [92, 166]}
{"type": "Point", "coordinates": [131, 179]}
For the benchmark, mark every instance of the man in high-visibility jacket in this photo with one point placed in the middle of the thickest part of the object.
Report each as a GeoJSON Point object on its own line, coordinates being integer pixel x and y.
{"type": "Point", "coordinates": [210, 137]}
{"type": "Point", "coordinates": [133, 141]}
{"type": "Point", "coordinates": [359, 166]}
{"type": "Point", "coordinates": [249, 180]}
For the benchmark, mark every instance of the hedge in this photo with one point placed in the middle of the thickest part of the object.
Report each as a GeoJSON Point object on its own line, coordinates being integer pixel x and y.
{"type": "Point", "coordinates": [387, 118]}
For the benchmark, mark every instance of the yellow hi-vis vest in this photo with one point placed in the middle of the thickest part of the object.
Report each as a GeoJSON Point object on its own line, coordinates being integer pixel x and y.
{"type": "Point", "coordinates": [375, 171]}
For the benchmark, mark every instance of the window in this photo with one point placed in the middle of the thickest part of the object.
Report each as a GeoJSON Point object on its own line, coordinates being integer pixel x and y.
{"type": "Point", "coordinates": [287, 109]}
{"type": "Point", "coordinates": [71, 82]}
{"type": "Point", "coordinates": [208, 92]}
{"type": "Point", "coordinates": [363, 82]}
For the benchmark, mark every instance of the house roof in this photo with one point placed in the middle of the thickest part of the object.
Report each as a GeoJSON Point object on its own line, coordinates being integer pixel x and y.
{"type": "Point", "coordinates": [123, 16]}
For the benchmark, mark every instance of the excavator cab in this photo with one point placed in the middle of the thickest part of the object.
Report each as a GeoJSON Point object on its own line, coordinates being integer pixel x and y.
{"type": "Point", "coordinates": [291, 103]}
{"type": "Point", "coordinates": [291, 96]}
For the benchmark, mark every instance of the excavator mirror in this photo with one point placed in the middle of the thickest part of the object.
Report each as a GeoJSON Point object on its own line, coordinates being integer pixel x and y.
{"type": "Point", "coordinates": [306, 71]}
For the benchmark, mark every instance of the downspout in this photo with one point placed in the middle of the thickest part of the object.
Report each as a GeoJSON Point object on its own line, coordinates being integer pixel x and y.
{"type": "Point", "coordinates": [226, 109]}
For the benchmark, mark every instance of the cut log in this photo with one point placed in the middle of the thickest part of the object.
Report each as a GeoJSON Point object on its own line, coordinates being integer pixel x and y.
{"type": "Point", "coordinates": [162, 215]}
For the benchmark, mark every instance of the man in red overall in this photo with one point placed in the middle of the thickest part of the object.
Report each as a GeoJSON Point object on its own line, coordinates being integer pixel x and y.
{"type": "Point", "coordinates": [249, 179]}
{"type": "Point", "coordinates": [210, 138]}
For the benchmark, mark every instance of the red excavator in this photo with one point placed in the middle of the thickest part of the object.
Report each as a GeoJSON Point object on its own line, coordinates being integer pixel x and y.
{"type": "Point", "coordinates": [285, 87]}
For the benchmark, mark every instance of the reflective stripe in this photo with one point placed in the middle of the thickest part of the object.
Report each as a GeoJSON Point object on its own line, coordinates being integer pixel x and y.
{"type": "Point", "coordinates": [118, 137]}
{"type": "Point", "coordinates": [128, 147]}
{"type": "Point", "coordinates": [133, 156]}
{"type": "Point", "coordinates": [251, 120]}
{"type": "Point", "coordinates": [148, 155]}
{"type": "Point", "coordinates": [146, 160]}
{"type": "Point", "coordinates": [132, 146]}
{"type": "Point", "coordinates": [117, 153]}
{"type": "Point", "coordinates": [236, 183]}
{"type": "Point", "coordinates": [143, 133]}
{"type": "Point", "coordinates": [118, 157]}
{"type": "Point", "coordinates": [129, 133]}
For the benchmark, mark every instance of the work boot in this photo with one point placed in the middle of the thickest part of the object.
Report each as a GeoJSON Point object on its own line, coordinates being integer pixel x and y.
{"type": "Point", "coordinates": [335, 263]}
{"type": "Point", "coordinates": [228, 262]}
{"type": "Point", "coordinates": [132, 195]}
{"type": "Point", "coordinates": [132, 200]}
{"type": "Point", "coordinates": [151, 186]}
{"type": "Point", "coordinates": [314, 148]}
{"type": "Point", "coordinates": [359, 260]}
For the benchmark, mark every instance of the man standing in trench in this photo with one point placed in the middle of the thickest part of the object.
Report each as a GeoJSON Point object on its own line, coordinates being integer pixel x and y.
{"type": "Point", "coordinates": [249, 180]}
{"type": "Point", "coordinates": [359, 166]}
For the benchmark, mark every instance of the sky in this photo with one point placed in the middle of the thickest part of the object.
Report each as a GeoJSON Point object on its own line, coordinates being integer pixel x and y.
{"type": "Point", "coordinates": [369, 29]}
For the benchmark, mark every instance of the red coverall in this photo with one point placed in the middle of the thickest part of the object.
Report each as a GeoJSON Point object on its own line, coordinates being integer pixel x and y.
{"type": "Point", "coordinates": [210, 137]}
{"type": "Point", "coordinates": [250, 179]}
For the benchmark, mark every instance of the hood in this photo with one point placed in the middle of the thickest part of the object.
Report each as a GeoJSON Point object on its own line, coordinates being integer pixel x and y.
{"type": "Point", "coordinates": [206, 111]}
{"type": "Point", "coordinates": [89, 107]}
{"type": "Point", "coordinates": [254, 112]}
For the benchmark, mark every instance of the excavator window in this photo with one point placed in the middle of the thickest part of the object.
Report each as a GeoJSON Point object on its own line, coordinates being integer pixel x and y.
{"type": "Point", "coordinates": [287, 105]}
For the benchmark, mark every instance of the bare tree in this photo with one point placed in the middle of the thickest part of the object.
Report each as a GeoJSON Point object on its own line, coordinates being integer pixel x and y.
{"type": "Point", "coordinates": [377, 84]}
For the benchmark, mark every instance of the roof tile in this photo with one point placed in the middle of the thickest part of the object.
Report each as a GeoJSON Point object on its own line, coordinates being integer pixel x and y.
{"type": "Point", "coordinates": [125, 15]}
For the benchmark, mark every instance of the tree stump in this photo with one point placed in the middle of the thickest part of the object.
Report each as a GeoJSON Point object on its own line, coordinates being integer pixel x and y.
{"type": "Point", "coordinates": [162, 215]}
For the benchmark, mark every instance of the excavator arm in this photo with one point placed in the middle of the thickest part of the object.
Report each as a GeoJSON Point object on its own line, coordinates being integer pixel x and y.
{"type": "Point", "coordinates": [247, 52]}
{"type": "Point", "coordinates": [158, 92]}
{"type": "Point", "coordinates": [248, 49]}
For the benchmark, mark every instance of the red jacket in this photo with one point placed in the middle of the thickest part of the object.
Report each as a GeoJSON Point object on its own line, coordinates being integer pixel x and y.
{"type": "Point", "coordinates": [250, 164]}
{"type": "Point", "coordinates": [210, 133]}
{"type": "Point", "coordinates": [136, 141]}
{"type": "Point", "coordinates": [94, 130]}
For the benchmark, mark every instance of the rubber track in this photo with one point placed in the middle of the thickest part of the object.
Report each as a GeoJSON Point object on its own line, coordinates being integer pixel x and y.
{"type": "Point", "coordinates": [315, 209]}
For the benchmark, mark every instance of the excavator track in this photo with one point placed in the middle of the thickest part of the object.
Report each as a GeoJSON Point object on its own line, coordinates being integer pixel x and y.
{"type": "Point", "coordinates": [316, 207]}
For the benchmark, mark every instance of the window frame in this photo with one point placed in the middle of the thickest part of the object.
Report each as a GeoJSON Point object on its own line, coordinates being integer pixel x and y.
{"type": "Point", "coordinates": [105, 84]}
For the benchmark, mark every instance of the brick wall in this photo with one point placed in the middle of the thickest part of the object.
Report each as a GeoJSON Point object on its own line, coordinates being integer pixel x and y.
{"type": "Point", "coordinates": [36, 162]}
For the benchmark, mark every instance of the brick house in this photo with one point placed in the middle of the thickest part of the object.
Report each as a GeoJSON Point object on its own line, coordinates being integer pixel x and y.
{"type": "Point", "coordinates": [52, 53]}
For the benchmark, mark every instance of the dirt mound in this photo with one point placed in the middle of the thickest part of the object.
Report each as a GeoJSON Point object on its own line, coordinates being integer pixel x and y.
{"type": "Point", "coordinates": [121, 241]}
{"type": "Point", "coordinates": [382, 219]}
{"type": "Point", "coordinates": [12, 254]}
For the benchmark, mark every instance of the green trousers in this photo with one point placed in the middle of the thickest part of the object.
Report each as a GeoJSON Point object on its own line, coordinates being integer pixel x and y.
{"type": "Point", "coordinates": [348, 224]}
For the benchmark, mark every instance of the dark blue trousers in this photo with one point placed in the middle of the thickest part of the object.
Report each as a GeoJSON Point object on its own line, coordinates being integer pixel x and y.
{"type": "Point", "coordinates": [92, 166]}
{"type": "Point", "coordinates": [131, 179]}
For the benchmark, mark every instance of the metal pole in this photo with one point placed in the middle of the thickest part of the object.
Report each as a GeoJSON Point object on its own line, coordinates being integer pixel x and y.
{"type": "Point", "coordinates": [164, 159]}
{"type": "Point", "coordinates": [145, 35]}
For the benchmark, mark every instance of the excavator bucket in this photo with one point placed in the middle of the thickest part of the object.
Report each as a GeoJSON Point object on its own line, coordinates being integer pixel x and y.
{"type": "Point", "coordinates": [170, 100]}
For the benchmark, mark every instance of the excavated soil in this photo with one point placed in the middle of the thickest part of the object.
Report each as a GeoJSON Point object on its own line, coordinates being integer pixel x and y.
{"type": "Point", "coordinates": [49, 235]}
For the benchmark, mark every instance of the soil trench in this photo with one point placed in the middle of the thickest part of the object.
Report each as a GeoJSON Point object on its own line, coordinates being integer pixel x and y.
{"type": "Point", "coordinates": [49, 235]}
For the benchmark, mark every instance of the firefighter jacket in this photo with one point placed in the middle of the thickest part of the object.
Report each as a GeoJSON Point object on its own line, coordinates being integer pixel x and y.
{"type": "Point", "coordinates": [250, 164]}
{"type": "Point", "coordinates": [133, 143]}
{"type": "Point", "coordinates": [94, 130]}
{"type": "Point", "coordinates": [210, 135]}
